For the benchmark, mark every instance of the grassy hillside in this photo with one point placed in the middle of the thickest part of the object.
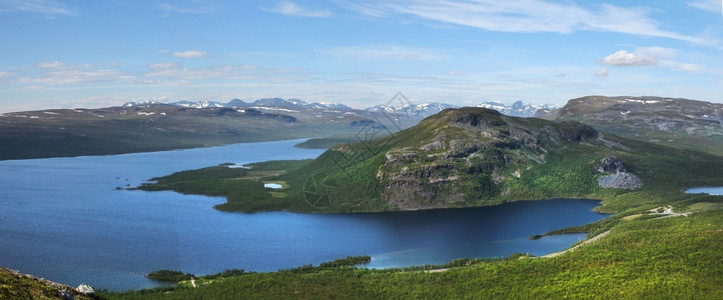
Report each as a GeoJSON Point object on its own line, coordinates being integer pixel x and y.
{"type": "Point", "coordinates": [459, 158]}
{"type": "Point", "coordinates": [16, 286]}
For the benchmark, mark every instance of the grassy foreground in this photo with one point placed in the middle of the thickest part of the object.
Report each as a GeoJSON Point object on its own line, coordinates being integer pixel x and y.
{"type": "Point", "coordinates": [642, 258]}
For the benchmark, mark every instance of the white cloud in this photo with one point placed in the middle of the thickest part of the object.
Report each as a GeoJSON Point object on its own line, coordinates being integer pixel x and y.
{"type": "Point", "coordinates": [624, 58]}
{"type": "Point", "coordinates": [646, 56]}
{"type": "Point", "coordinates": [523, 16]}
{"type": "Point", "coordinates": [190, 54]}
{"type": "Point", "coordinates": [292, 9]}
{"type": "Point", "coordinates": [709, 5]}
{"type": "Point", "coordinates": [602, 72]}
{"type": "Point", "coordinates": [46, 7]}
{"type": "Point", "coordinates": [383, 52]}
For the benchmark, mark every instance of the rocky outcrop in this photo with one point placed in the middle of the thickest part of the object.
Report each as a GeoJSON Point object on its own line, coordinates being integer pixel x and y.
{"type": "Point", "coordinates": [620, 177]}
{"type": "Point", "coordinates": [16, 285]}
{"type": "Point", "coordinates": [467, 157]}
{"type": "Point", "coordinates": [611, 164]}
{"type": "Point", "coordinates": [620, 180]}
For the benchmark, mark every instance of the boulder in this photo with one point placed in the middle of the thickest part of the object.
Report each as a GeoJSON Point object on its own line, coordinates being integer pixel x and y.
{"type": "Point", "coordinates": [620, 180]}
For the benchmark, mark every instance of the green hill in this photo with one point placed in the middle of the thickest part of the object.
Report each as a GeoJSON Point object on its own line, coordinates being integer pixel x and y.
{"type": "Point", "coordinates": [460, 158]}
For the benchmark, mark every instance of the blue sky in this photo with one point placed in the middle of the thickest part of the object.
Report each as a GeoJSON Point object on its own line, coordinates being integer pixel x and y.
{"type": "Point", "coordinates": [88, 53]}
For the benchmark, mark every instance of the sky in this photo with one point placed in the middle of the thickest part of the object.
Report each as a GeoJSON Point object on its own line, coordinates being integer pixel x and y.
{"type": "Point", "coordinates": [90, 53]}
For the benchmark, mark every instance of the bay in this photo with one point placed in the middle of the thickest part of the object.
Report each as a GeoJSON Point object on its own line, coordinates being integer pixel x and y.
{"type": "Point", "coordinates": [64, 220]}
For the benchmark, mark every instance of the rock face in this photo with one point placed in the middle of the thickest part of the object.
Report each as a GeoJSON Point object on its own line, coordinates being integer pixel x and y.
{"type": "Point", "coordinates": [620, 178]}
{"type": "Point", "coordinates": [612, 164]}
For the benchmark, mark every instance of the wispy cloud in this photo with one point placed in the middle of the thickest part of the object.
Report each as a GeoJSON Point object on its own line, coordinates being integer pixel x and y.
{"type": "Point", "coordinates": [383, 52]}
{"type": "Point", "coordinates": [709, 5]}
{"type": "Point", "coordinates": [292, 9]}
{"type": "Point", "coordinates": [5, 75]}
{"type": "Point", "coordinates": [187, 54]}
{"type": "Point", "coordinates": [602, 72]}
{"type": "Point", "coordinates": [176, 71]}
{"type": "Point", "coordinates": [46, 7]}
{"type": "Point", "coordinates": [524, 16]}
{"type": "Point", "coordinates": [679, 66]}
{"type": "Point", "coordinates": [56, 73]}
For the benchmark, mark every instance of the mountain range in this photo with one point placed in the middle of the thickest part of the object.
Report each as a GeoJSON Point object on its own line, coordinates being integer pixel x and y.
{"type": "Point", "coordinates": [675, 122]}
{"type": "Point", "coordinates": [409, 111]}
{"type": "Point", "coordinates": [153, 126]}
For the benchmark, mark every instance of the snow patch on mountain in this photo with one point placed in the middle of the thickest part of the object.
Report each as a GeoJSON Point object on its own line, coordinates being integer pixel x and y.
{"type": "Point", "coordinates": [412, 111]}
{"type": "Point", "coordinates": [517, 109]}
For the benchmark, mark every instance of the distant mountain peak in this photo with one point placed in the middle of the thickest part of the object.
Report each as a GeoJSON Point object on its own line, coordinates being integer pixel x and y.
{"type": "Point", "coordinates": [412, 111]}
{"type": "Point", "coordinates": [517, 109]}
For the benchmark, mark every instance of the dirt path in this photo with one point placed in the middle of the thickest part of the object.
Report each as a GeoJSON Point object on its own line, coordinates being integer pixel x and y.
{"type": "Point", "coordinates": [597, 237]}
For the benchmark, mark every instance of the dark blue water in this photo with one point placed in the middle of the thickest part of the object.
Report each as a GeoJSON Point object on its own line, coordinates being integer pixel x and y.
{"type": "Point", "coordinates": [63, 220]}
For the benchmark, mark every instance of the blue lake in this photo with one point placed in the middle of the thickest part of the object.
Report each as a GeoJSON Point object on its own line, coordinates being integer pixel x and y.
{"type": "Point", "coordinates": [63, 219]}
{"type": "Point", "coordinates": [712, 190]}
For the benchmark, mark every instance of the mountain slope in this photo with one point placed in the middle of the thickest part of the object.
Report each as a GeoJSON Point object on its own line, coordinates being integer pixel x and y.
{"type": "Point", "coordinates": [465, 157]}
{"type": "Point", "coordinates": [142, 127]}
{"type": "Point", "coordinates": [474, 156]}
{"type": "Point", "coordinates": [15, 285]}
{"type": "Point", "coordinates": [681, 123]}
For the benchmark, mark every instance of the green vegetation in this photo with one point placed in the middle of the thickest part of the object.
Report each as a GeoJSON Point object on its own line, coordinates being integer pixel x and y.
{"type": "Point", "coordinates": [646, 255]}
{"type": "Point", "coordinates": [17, 286]}
{"type": "Point", "coordinates": [327, 142]}
{"type": "Point", "coordinates": [169, 275]}
{"type": "Point", "coordinates": [346, 262]}
{"type": "Point", "coordinates": [458, 158]}
{"type": "Point", "coordinates": [243, 188]}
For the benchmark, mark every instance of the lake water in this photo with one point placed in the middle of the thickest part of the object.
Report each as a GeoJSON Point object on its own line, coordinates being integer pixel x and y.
{"type": "Point", "coordinates": [706, 190]}
{"type": "Point", "coordinates": [63, 219]}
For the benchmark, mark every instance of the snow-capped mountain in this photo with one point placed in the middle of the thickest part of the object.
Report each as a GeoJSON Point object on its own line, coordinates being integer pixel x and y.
{"type": "Point", "coordinates": [133, 104]}
{"type": "Point", "coordinates": [289, 104]}
{"type": "Point", "coordinates": [517, 109]}
{"type": "Point", "coordinates": [418, 111]}
{"type": "Point", "coordinates": [197, 104]}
